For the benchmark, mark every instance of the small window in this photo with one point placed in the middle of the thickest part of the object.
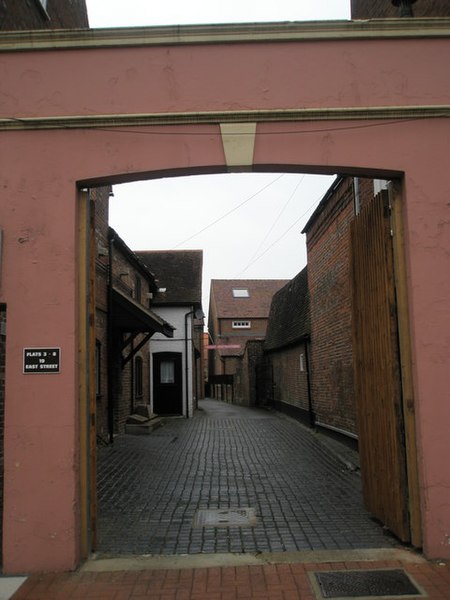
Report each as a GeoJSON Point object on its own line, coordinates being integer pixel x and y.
{"type": "Point", "coordinates": [241, 324]}
{"type": "Point", "coordinates": [240, 293]}
{"type": "Point", "coordinates": [302, 362]}
{"type": "Point", "coordinates": [167, 371]}
{"type": "Point", "coordinates": [138, 377]}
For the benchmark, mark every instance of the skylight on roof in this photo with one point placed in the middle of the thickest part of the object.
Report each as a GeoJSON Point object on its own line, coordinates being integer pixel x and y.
{"type": "Point", "coordinates": [240, 293]}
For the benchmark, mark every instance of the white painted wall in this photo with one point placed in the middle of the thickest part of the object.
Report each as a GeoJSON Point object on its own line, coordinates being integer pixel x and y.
{"type": "Point", "coordinates": [175, 315]}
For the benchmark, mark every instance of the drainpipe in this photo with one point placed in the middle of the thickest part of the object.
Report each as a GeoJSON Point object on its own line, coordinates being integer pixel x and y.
{"type": "Point", "coordinates": [198, 314]}
{"type": "Point", "coordinates": [186, 361]}
{"type": "Point", "coordinates": [357, 198]}
{"type": "Point", "coordinates": [312, 416]}
{"type": "Point", "coordinates": [110, 343]}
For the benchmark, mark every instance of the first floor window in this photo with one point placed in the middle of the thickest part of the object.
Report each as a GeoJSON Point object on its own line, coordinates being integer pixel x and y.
{"type": "Point", "coordinates": [241, 324]}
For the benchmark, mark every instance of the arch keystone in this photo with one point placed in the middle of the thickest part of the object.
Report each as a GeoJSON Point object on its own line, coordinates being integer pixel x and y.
{"type": "Point", "coordinates": [238, 141]}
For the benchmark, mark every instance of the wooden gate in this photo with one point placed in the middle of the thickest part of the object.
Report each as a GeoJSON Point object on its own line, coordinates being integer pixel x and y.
{"type": "Point", "coordinates": [378, 378]}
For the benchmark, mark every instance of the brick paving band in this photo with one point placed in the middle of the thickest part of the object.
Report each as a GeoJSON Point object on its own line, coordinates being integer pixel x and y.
{"type": "Point", "coordinates": [266, 582]}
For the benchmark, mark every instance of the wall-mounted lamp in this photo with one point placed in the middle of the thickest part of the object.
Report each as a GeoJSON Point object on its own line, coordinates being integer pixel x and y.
{"type": "Point", "coordinates": [199, 314]}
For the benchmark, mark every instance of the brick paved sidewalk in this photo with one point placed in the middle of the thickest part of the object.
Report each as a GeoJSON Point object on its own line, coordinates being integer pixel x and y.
{"type": "Point", "coordinates": [277, 581]}
{"type": "Point", "coordinates": [153, 488]}
{"type": "Point", "coordinates": [310, 517]}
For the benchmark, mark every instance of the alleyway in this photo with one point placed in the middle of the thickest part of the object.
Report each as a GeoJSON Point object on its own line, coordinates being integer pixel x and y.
{"type": "Point", "coordinates": [278, 487]}
{"type": "Point", "coordinates": [304, 498]}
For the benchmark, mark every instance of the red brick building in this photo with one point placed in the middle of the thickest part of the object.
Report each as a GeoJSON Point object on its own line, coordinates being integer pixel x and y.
{"type": "Point", "coordinates": [238, 313]}
{"type": "Point", "coordinates": [248, 380]}
{"type": "Point", "coordinates": [328, 247]}
{"type": "Point", "coordinates": [125, 323]}
{"type": "Point", "coordinates": [287, 349]}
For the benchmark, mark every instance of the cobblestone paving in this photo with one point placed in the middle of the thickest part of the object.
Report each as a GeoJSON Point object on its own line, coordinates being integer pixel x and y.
{"type": "Point", "coordinates": [150, 488]}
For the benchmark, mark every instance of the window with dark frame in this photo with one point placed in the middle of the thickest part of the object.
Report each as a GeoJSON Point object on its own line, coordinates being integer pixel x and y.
{"type": "Point", "coordinates": [241, 325]}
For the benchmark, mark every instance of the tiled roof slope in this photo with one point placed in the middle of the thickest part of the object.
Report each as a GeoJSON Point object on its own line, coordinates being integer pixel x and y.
{"type": "Point", "coordinates": [179, 271]}
{"type": "Point", "coordinates": [256, 305]}
{"type": "Point", "coordinates": [289, 314]}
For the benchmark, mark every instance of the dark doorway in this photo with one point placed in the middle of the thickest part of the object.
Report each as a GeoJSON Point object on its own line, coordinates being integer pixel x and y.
{"type": "Point", "coordinates": [167, 383]}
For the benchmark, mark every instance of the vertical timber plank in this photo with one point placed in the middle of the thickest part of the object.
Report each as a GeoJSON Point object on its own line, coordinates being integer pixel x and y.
{"type": "Point", "coordinates": [377, 371]}
{"type": "Point", "coordinates": [406, 364]}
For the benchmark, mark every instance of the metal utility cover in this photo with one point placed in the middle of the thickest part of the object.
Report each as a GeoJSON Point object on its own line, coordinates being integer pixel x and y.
{"type": "Point", "coordinates": [225, 517]}
{"type": "Point", "coordinates": [366, 584]}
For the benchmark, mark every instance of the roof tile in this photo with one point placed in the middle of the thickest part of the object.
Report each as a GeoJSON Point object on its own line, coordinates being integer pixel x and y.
{"type": "Point", "coordinates": [179, 271]}
{"type": "Point", "coordinates": [289, 320]}
{"type": "Point", "coordinates": [257, 304]}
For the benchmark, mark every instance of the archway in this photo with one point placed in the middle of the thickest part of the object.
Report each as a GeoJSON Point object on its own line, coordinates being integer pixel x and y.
{"type": "Point", "coordinates": [113, 106]}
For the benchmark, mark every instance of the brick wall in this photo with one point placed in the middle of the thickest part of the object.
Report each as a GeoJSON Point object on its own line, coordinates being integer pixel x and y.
{"type": "Point", "coordinates": [328, 246]}
{"type": "Point", "coordinates": [374, 9]}
{"type": "Point", "coordinates": [245, 382]}
{"type": "Point", "coordinates": [29, 14]}
{"type": "Point", "coordinates": [218, 362]}
{"type": "Point", "coordinates": [257, 327]}
{"type": "Point", "coordinates": [123, 380]}
{"type": "Point", "coordinates": [290, 383]}
{"type": "Point", "coordinates": [100, 197]}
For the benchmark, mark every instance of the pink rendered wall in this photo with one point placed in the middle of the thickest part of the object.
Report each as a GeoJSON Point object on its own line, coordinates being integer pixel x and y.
{"type": "Point", "coordinates": [38, 215]}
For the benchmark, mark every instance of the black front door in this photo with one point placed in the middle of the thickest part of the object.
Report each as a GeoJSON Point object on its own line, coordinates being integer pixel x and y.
{"type": "Point", "coordinates": [167, 383]}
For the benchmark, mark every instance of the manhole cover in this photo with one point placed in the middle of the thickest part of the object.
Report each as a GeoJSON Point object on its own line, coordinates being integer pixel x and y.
{"type": "Point", "coordinates": [366, 584]}
{"type": "Point", "coordinates": [225, 517]}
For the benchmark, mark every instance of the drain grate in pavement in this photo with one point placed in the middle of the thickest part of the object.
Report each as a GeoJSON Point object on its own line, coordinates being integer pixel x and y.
{"type": "Point", "coordinates": [225, 517]}
{"type": "Point", "coordinates": [366, 584]}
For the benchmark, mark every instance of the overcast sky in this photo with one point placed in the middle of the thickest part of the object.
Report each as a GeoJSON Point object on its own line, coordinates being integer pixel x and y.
{"type": "Point", "coordinates": [248, 225]}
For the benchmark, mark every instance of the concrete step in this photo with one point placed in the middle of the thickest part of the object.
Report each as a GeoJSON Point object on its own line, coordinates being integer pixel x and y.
{"type": "Point", "coordinates": [144, 427]}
